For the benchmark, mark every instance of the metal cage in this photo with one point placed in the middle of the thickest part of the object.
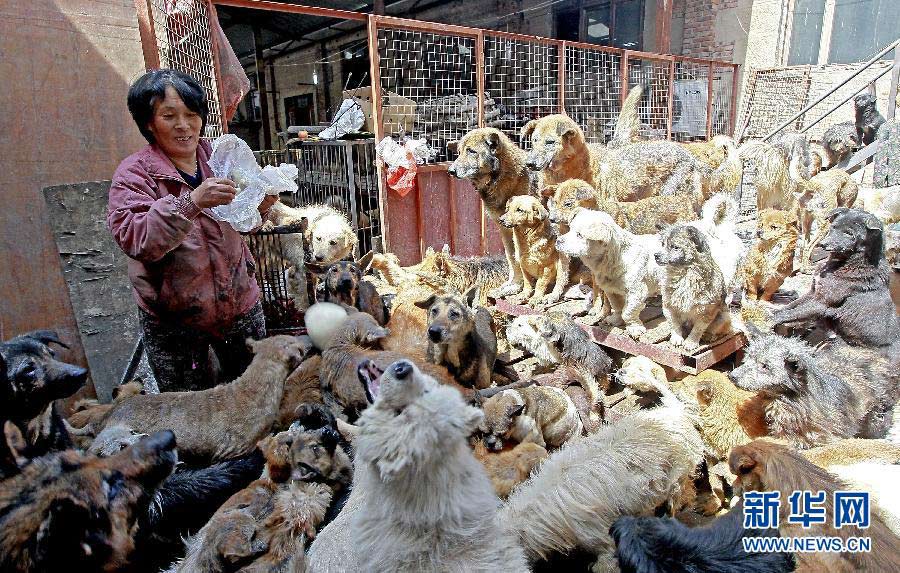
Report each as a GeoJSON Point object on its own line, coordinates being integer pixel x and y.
{"type": "Point", "coordinates": [281, 312]}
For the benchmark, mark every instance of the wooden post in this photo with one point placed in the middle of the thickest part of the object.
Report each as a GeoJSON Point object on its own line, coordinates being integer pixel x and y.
{"type": "Point", "coordinates": [709, 100]}
{"type": "Point", "coordinates": [669, 119]}
{"type": "Point", "coordinates": [624, 74]}
{"type": "Point", "coordinates": [375, 74]}
{"type": "Point", "coordinates": [479, 76]}
{"type": "Point", "coordinates": [148, 34]}
{"type": "Point", "coordinates": [261, 88]}
{"type": "Point", "coordinates": [378, 7]}
{"type": "Point", "coordinates": [663, 26]}
{"type": "Point", "coordinates": [217, 67]}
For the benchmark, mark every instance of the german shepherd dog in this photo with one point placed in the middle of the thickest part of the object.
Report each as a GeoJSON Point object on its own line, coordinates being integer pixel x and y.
{"type": "Point", "coordinates": [71, 512]}
{"type": "Point", "coordinates": [461, 338]}
{"type": "Point", "coordinates": [344, 285]}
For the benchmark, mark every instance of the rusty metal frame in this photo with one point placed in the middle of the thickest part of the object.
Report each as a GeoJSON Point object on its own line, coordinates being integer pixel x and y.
{"type": "Point", "coordinates": [148, 34]}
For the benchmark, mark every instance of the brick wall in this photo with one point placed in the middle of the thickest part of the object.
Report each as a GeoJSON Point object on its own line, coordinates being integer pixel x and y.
{"type": "Point", "coordinates": [702, 37]}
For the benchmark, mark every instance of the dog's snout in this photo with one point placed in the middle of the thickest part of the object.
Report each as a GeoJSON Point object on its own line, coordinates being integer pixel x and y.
{"type": "Point", "coordinates": [345, 282]}
{"type": "Point", "coordinates": [320, 258]}
{"type": "Point", "coordinates": [402, 369]}
{"type": "Point", "coordinates": [451, 171]}
{"type": "Point", "coordinates": [531, 163]}
{"type": "Point", "coordinates": [732, 378]}
{"type": "Point", "coordinates": [660, 258]}
{"type": "Point", "coordinates": [434, 333]}
{"type": "Point", "coordinates": [493, 443]}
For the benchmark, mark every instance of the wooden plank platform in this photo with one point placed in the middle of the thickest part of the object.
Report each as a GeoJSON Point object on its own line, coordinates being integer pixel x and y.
{"type": "Point", "coordinates": [652, 344]}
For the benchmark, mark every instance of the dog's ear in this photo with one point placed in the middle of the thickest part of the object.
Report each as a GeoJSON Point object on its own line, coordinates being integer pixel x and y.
{"type": "Point", "coordinates": [538, 212]}
{"type": "Point", "coordinates": [46, 337]}
{"type": "Point", "coordinates": [874, 238]}
{"type": "Point", "coordinates": [704, 392]}
{"type": "Point", "coordinates": [836, 212]}
{"type": "Point", "coordinates": [742, 461]}
{"type": "Point", "coordinates": [16, 444]}
{"type": "Point", "coordinates": [330, 439]}
{"type": "Point", "coordinates": [527, 129]}
{"type": "Point", "coordinates": [584, 192]}
{"type": "Point", "coordinates": [598, 231]}
{"type": "Point", "coordinates": [471, 418]}
{"type": "Point", "coordinates": [349, 236]}
{"type": "Point", "coordinates": [426, 304]}
{"type": "Point", "coordinates": [470, 295]}
{"type": "Point", "coordinates": [697, 238]}
{"type": "Point", "coordinates": [548, 191]}
{"type": "Point", "coordinates": [515, 411]}
{"type": "Point", "coordinates": [566, 128]}
{"type": "Point", "coordinates": [453, 147]}
{"type": "Point", "coordinates": [493, 140]}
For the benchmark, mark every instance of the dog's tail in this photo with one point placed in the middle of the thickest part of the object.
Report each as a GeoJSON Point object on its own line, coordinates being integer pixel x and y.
{"type": "Point", "coordinates": [727, 176]}
{"type": "Point", "coordinates": [720, 209]}
{"type": "Point", "coordinates": [324, 320]}
{"type": "Point", "coordinates": [628, 124]}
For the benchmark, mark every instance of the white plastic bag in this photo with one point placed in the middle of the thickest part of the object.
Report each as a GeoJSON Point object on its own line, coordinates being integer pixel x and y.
{"type": "Point", "coordinates": [233, 159]}
{"type": "Point", "coordinates": [348, 119]}
{"type": "Point", "coordinates": [401, 161]}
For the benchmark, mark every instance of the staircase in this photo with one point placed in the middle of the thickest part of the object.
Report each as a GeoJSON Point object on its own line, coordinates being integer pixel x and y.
{"type": "Point", "coordinates": [865, 155]}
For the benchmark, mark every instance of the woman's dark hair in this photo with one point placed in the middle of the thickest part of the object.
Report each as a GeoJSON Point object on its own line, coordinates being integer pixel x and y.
{"type": "Point", "coordinates": [150, 88]}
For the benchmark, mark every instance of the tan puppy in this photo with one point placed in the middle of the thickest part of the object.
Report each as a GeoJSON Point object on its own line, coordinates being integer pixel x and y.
{"type": "Point", "coordinates": [509, 468]}
{"type": "Point", "coordinates": [538, 414]}
{"type": "Point", "coordinates": [771, 259]}
{"type": "Point", "coordinates": [693, 290]}
{"type": "Point", "coordinates": [461, 338]}
{"type": "Point", "coordinates": [535, 250]}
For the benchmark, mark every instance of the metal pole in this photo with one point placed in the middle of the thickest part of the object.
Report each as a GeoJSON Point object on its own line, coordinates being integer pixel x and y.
{"type": "Point", "coordinates": [261, 87]}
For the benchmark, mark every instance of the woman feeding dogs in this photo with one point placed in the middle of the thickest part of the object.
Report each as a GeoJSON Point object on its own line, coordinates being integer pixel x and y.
{"type": "Point", "coordinates": [192, 276]}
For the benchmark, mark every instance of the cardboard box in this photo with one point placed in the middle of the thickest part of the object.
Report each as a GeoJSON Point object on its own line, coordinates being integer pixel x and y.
{"type": "Point", "coordinates": [397, 111]}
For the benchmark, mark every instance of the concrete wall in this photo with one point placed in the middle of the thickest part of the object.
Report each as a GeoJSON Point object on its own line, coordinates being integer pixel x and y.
{"type": "Point", "coordinates": [66, 66]}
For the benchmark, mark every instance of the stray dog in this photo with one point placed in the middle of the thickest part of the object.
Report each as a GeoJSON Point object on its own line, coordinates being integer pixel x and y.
{"type": "Point", "coordinates": [771, 180]}
{"type": "Point", "coordinates": [535, 251]}
{"type": "Point", "coordinates": [542, 415]}
{"type": "Point", "coordinates": [868, 119]}
{"type": "Point", "coordinates": [91, 412]}
{"type": "Point", "coordinates": [850, 295]}
{"type": "Point", "coordinates": [839, 142]}
{"type": "Point", "coordinates": [853, 451]}
{"type": "Point", "coordinates": [225, 421]}
{"type": "Point", "coordinates": [693, 291]}
{"type": "Point", "coordinates": [344, 284]}
{"type": "Point", "coordinates": [71, 512]}
{"type": "Point", "coordinates": [622, 264]}
{"type": "Point", "coordinates": [461, 338]}
{"type": "Point", "coordinates": [31, 377]}
{"type": "Point", "coordinates": [766, 466]}
{"type": "Point", "coordinates": [628, 468]}
{"type": "Point", "coordinates": [717, 223]}
{"type": "Point", "coordinates": [302, 386]}
{"type": "Point", "coordinates": [497, 169]}
{"type": "Point", "coordinates": [883, 202]}
{"type": "Point", "coordinates": [559, 150]}
{"type": "Point", "coordinates": [555, 339]}
{"type": "Point", "coordinates": [838, 392]}
{"type": "Point", "coordinates": [664, 545]}
{"type": "Point", "coordinates": [771, 259]}
{"type": "Point", "coordinates": [265, 526]}
{"type": "Point", "coordinates": [509, 468]}
{"type": "Point", "coordinates": [429, 505]}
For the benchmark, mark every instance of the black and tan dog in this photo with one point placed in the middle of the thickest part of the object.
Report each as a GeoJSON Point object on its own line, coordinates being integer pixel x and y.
{"type": "Point", "coordinates": [461, 338]}
{"type": "Point", "coordinates": [344, 284]}
{"type": "Point", "coordinates": [850, 295]}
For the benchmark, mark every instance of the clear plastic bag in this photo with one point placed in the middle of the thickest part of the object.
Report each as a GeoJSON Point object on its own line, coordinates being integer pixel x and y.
{"type": "Point", "coordinates": [348, 119]}
{"type": "Point", "coordinates": [233, 159]}
{"type": "Point", "coordinates": [401, 161]}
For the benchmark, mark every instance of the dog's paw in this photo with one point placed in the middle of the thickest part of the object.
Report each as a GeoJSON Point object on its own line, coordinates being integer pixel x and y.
{"type": "Point", "coordinates": [505, 290]}
{"type": "Point", "coordinates": [689, 345]}
{"type": "Point", "coordinates": [613, 319]}
{"type": "Point", "coordinates": [635, 330]}
{"type": "Point", "coordinates": [551, 298]}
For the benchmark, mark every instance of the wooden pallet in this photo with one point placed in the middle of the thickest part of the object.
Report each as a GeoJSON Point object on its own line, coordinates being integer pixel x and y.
{"type": "Point", "coordinates": [659, 351]}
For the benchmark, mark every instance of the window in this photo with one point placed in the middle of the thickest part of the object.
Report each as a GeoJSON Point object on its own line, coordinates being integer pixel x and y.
{"type": "Point", "coordinates": [298, 110]}
{"type": "Point", "coordinates": [841, 31]}
{"type": "Point", "coordinates": [618, 23]}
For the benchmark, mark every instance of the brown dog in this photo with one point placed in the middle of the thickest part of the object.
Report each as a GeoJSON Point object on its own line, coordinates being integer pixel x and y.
{"type": "Point", "coordinates": [344, 284]}
{"type": "Point", "coordinates": [771, 259]}
{"type": "Point", "coordinates": [225, 421]}
{"type": "Point", "coordinates": [461, 338]}
{"type": "Point", "coordinates": [496, 167]}
{"type": "Point", "coordinates": [535, 251]}
{"type": "Point", "coordinates": [539, 414]}
{"type": "Point", "coordinates": [766, 466]}
{"type": "Point", "coordinates": [71, 512]}
{"type": "Point", "coordinates": [509, 468]}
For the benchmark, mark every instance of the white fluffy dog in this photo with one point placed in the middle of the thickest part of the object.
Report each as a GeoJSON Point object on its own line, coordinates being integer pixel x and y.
{"type": "Point", "coordinates": [428, 504]}
{"type": "Point", "coordinates": [329, 238]}
{"type": "Point", "coordinates": [622, 264]}
{"type": "Point", "coordinates": [628, 468]}
{"type": "Point", "coordinates": [717, 223]}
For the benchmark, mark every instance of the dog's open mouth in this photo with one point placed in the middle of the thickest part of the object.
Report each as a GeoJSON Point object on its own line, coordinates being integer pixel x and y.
{"type": "Point", "coordinates": [369, 375]}
{"type": "Point", "coordinates": [304, 472]}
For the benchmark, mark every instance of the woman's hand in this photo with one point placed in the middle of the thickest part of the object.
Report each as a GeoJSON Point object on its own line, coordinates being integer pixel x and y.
{"type": "Point", "coordinates": [213, 192]}
{"type": "Point", "coordinates": [267, 203]}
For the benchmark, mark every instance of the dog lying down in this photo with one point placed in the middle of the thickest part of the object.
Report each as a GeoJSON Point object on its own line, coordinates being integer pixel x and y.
{"type": "Point", "coordinates": [630, 467]}
{"type": "Point", "coordinates": [428, 504]}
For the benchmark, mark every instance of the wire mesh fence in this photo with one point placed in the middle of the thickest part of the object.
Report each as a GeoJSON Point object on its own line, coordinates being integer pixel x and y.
{"type": "Point", "coordinates": [772, 97]}
{"type": "Point", "coordinates": [653, 109]}
{"type": "Point", "coordinates": [436, 75]}
{"type": "Point", "coordinates": [593, 90]}
{"type": "Point", "coordinates": [724, 100]}
{"type": "Point", "coordinates": [275, 277]}
{"type": "Point", "coordinates": [183, 41]}
{"type": "Point", "coordinates": [521, 81]}
{"type": "Point", "coordinates": [690, 93]}
{"type": "Point", "coordinates": [341, 174]}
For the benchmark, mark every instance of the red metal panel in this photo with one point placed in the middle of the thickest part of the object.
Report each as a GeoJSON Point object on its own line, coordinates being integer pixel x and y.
{"type": "Point", "coordinates": [494, 243]}
{"type": "Point", "coordinates": [403, 233]}
{"type": "Point", "coordinates": [434, 208]}
{"type": "Point", "coordinates": [467, 226]}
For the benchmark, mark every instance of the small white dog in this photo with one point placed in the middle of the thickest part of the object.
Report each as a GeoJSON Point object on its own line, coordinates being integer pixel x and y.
{"type": "Point", "coordinates": [717, 223]}
{"type": "Point", "coordinates": [622, 264]}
